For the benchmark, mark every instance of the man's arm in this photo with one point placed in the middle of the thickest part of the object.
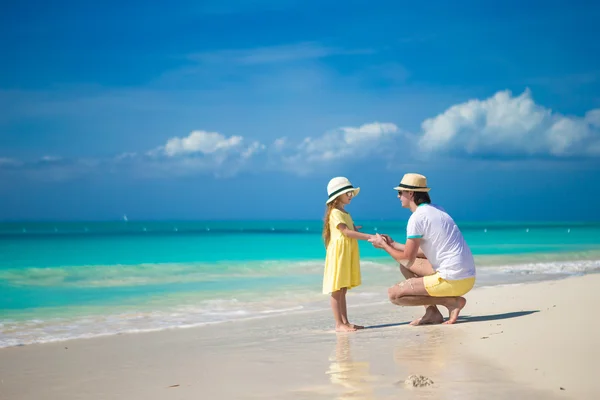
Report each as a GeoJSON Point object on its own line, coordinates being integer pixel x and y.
{"type": "Point", "coordinates": [408, 252]}
{"type": "Point", "coordinates": [401, 247]}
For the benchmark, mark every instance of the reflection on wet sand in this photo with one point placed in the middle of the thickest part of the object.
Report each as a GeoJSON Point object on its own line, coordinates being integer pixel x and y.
{"type": "Point", "coordinates": [440, 354]}
{"type": "Point", "coordinates": [353, 377]}
{"type": "Point", "coordinates": [425, 354]}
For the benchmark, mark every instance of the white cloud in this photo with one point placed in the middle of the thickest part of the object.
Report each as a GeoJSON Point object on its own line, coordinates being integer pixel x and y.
{"type": "Point", "coordinates": [201, 142]}
{"type": "Point", "coordinates": [510, 126]}
{"type": "Point", "coordinates": [367, 133]}
{"type": "Point", "coordinates": [342, 144]}
{"type": "Point", "coordinates": [199, 152]}
{"type": "Point", "coordinates": [254, 148]}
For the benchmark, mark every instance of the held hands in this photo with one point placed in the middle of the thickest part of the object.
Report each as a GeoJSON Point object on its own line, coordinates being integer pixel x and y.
{"type": "Point", "coordinates": [379, 241]}
{"type": "Point", "coordinates": [388, 238]}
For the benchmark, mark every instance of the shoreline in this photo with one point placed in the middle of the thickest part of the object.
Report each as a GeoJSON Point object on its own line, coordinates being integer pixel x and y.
{"type": "Point", "coordinates": [300, 312]}
{"type": "Point", "coordinates": [299, 356]}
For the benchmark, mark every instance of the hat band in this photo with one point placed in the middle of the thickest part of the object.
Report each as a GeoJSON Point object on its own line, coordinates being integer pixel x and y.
{"type": "Point", "coordinates": [402, 185]}
{"type": "Point", "coordinates": [341, 190]}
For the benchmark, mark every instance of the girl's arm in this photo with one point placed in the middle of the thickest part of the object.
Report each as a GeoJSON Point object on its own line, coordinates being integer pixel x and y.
{"type": "Point", "coordinates": [352, 233]}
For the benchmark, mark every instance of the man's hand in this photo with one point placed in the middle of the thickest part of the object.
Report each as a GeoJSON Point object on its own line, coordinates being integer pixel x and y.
{"type": "Point", "coordinates": [388, 238]}
{"type": "Point", "coordinates": [357, 227]}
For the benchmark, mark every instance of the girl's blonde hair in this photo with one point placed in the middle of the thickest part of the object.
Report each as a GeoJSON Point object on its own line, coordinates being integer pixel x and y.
{"type": "Point", "coordinates": [326, 228]}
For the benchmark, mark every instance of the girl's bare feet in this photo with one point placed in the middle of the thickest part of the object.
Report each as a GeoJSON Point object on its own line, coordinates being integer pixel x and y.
{"type": "Point", "coordinates": [454, 309]}
{"type": "Point", "coordinates": [344, 328]}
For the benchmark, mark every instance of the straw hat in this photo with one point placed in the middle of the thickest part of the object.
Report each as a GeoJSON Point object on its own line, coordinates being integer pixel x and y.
{"type": "Point", "coordinates": [414, 183]}
{"type": "Point", "coordinates": [338, 186]}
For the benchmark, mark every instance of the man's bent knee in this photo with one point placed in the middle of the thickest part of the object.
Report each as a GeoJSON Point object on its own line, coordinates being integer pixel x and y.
{"type": "Point", "coordinates": [396, 291]}
{"type": "Point", "coordinates": [392, 293]}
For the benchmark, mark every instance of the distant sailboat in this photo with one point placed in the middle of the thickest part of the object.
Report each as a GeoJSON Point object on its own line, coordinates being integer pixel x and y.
{"type": "Point", "coordinates": [125, 217]}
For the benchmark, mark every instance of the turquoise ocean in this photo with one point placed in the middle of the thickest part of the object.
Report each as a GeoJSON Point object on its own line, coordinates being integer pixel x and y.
{"type": "Point", "coordinates": [60, 281]}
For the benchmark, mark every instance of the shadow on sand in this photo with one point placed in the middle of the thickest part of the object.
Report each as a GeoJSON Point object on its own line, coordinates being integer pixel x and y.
{"type": "Point", "coordinates": [493, 317]}
{"type": "Point", "coordinates": [468, 318]}
{"type": "Point", "coordinates": [386, 325]}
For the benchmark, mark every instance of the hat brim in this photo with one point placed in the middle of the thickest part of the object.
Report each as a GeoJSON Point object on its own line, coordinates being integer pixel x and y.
{"type": "Point", "coordinates": [412, 188]}
{"type": "Point", "coordinates": [355, 190]}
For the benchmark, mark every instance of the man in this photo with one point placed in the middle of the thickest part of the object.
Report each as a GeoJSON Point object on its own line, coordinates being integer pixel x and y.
{"type": "Point", "coordinates": [450, 272]}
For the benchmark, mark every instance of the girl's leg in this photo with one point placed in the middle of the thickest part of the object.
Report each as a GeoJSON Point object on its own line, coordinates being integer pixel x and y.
{"type": "Point", "coordinates": [336, 307]}
{"type": "Point", "coordinates": [344, 311]}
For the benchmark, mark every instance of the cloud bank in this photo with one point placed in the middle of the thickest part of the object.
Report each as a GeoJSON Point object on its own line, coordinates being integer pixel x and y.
{"type": "Point", "coordinates": [501, 126]}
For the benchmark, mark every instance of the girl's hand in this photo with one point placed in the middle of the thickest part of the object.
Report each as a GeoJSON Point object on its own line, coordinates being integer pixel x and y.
{"type": "Point", "coordinates": [378, 241]}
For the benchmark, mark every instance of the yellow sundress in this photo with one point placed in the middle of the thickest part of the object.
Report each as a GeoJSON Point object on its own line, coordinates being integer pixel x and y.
{"type": "Point", "coordinates": [342, 261]}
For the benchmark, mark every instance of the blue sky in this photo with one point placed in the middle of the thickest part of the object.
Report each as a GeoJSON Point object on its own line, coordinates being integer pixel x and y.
{"type": "Point", "coordinates": [245, 109]}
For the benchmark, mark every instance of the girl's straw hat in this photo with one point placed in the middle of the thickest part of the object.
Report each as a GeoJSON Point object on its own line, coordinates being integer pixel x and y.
{"type": "Point", "coordinates": [414, 183]}
{"type": "Point", "coordinates": [338, 186]}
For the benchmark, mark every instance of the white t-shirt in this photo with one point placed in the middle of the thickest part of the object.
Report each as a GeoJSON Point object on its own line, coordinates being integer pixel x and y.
{"type": "Point", "coordinates": [442, 242]}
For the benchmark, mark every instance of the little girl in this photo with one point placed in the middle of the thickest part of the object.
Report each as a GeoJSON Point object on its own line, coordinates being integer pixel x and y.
{"type": "Point", "coordinates": [342, 264]}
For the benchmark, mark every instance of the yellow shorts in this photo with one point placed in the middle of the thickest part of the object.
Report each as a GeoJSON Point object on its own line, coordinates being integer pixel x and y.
{"type": "Point", "coordinates": [437, 286]}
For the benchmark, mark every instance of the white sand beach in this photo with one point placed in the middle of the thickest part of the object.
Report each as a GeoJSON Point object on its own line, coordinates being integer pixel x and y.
{"type": "Point", "coordinates": [534, 340]}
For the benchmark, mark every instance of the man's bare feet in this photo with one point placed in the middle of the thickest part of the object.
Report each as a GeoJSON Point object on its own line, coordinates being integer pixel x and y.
{"type": "Point", "coordinates": [344, 328]}
{"type": "Point", "coordinates": [432, 316]}
{"type": "Point", "coordinates": [454, 309]}
{"type": "Point", "coordinates": [355, 326]}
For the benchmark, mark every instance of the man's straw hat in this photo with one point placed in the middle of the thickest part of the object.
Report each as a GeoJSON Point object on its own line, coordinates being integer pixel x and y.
{"type": "Point", "coordinates": [338, 186]}
{"type": "Point", "coordinates": [414, 183]}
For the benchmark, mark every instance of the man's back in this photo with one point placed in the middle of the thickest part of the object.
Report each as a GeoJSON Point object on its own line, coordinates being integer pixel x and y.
{"type": "Point", "coordinates": [442, 242]}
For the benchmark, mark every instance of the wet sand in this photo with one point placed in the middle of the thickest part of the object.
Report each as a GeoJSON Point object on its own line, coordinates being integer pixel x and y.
{"type": "Point", "coordinates": [524, 340]}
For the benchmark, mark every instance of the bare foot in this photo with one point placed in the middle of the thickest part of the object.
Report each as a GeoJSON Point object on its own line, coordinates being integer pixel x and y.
{"type": "Point", "coordinates": [355, 326]}
{"type": "Point", "coordinates": [344, 328]}
{"type": "Point", "coordinates": [432, 316]}
{"type": "Point", "coordinates": [454, 310]}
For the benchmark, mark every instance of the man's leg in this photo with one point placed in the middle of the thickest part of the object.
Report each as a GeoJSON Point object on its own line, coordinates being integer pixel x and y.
{"type": "Point", "coordinates": [413, 293]}
{"type": "Point", "coordinates": [420, 268]}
